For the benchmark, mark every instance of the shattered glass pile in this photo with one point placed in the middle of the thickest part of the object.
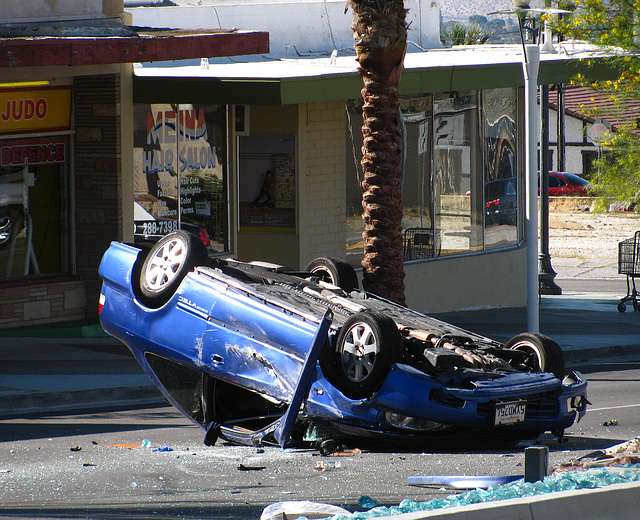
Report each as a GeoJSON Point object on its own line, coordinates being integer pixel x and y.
{"type": "Point", "coordinates": [589, 479]}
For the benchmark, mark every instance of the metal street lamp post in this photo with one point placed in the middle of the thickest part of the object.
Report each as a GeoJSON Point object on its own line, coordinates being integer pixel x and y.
{"type": "Point", "coordinates": [530, 65]}
{"type": "Point", "coordinates": [546, 274]}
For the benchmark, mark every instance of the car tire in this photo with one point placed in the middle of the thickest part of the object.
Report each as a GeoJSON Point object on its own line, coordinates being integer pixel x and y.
{"type": "Point", "coordinates": [166, 265]}
{"type": "Point", "coordinates": [545, 354]}
{"type": "Point", "coordinates": [367, 345]}
{"type": "Point", "coordinates": [334, 271]}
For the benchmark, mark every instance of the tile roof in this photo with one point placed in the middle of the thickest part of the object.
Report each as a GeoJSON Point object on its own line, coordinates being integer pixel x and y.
{"type": "Point", "coordinates": [590, 105]}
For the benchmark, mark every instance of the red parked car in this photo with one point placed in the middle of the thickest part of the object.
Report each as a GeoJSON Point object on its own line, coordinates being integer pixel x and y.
{"type": "Point", "coordinates": [567, 185]}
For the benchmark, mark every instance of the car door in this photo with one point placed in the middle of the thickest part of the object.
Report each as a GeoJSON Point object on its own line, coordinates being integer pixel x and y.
{"type": "Point", "coordinates": [253, 343]}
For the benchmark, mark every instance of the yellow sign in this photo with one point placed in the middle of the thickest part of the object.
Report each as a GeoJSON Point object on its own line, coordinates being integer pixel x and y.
{"type": "Point", "coordinates": [35, 110]}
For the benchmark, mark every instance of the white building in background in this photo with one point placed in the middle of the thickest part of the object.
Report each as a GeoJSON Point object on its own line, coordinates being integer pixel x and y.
{"type": "Point", "coordinates": [295, 27]}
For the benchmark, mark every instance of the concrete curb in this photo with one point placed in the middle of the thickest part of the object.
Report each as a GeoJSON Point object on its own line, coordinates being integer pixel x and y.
{"type": "Point", "coordinates": [614, 502]}
{"type": "Point", "coordinates": [585, 355]}
{"type": "Point", "coordinates": [38, 402]}
{"type": "Point", "coordinates": [83, 329]}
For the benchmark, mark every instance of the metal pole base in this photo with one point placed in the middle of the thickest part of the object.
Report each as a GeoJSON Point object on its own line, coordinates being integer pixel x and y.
{"type": "Point", "coordinates": [546, 276]}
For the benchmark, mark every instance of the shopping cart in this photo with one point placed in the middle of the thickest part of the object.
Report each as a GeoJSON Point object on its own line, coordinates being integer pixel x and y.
{"type": "Point", "coordinates": [629, 264]}
{"type": "Point", "coordinates": [418, 243]}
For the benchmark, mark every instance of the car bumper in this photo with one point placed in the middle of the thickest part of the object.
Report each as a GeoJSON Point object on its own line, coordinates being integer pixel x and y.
{"type": "Point", "coordinates": [551, 404]}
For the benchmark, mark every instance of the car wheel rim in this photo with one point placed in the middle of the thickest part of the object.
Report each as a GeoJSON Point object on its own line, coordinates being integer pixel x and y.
{"type": "Point", "coordinates": [165, 264]}
{"type": "Point", "coordinates": [526, 346]}
{"type": "Point", "coordinates": [359, 352]}
{"type": "Point", "coordinates": [324, 275]}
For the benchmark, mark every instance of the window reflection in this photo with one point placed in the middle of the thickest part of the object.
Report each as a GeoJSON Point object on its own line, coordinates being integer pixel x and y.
{"type": "Point", "coordinates": [417, 182]}
{"type": "Point", "coordinates": [501, 183]}
{"type": "Point", "coordinates": [460, 186]}
{"type": "Point", "coordinates": [456, 175]}
{"type": "Point", "coordinates": [32, 216]}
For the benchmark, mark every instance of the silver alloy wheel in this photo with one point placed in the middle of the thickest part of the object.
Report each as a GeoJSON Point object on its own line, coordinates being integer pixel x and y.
{"type": "Point", "coordinates": [359, 351]}
{"type": "Point", "coordinates": [165, 264]}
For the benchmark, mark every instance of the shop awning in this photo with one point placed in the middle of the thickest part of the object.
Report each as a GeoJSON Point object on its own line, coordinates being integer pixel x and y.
{"type": "Point", "coordinates": [269, 81]}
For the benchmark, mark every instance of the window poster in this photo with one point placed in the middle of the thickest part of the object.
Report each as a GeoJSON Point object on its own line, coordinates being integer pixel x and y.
{"type": "Point", "coordinates": [267, 183]}
{"type": "Point", "coordinates": [179, 177]}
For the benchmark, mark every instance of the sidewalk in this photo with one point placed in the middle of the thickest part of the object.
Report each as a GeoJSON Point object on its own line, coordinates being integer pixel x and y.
{"type": "Point", "coordinates": [61, 374]}
{"type": "Point", "coordinates": [587, 326]}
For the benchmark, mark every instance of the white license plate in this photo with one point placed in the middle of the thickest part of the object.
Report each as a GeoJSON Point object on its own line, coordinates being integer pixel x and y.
{"type": "Point", "coordinates": [510, 413]}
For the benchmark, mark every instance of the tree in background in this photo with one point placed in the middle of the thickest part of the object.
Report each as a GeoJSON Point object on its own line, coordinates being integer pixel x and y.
{"type": "Point", "coordinates": [456, 33]}
{"type": "Point", "coordinates": [380, 34]}
{"type": "Point", "coordinates": [614, 25]}
{"type": "Point", "coordinates": [477, 31]}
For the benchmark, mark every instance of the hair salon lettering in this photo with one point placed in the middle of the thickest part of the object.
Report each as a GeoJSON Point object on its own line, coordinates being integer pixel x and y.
{"type": "Point", "coordinates": [24, 110]}
{"type": "Point", "coordinates": [194, 149]}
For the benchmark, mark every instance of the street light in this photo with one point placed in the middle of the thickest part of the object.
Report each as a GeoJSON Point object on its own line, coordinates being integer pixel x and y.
{"type": "Point", "coordinates": [530, 65]}
{"type": "Point", "coordinates": [546, 274]}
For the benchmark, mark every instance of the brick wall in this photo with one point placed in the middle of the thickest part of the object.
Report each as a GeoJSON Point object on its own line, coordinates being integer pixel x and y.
{"type": "Point", "coordinates": [40, 302]}
{"type": "Point", "coordinates": [98, 176]}
{"type": "Point", "coordinates": [322, 185]}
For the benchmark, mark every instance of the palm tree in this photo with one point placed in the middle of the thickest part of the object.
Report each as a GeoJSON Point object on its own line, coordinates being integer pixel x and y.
{"type": "Point", "coordinates": [380, 34]}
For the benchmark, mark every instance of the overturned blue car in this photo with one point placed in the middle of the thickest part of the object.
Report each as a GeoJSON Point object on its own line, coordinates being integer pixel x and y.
{"type": "Point", "coordinates": [262, 354]}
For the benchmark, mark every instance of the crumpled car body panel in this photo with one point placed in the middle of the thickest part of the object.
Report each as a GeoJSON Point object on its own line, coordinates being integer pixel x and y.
{"type": "Point", "coordinates": [232, 355]}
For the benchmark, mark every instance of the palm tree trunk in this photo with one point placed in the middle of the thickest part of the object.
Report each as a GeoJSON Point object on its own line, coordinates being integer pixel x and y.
{"type": "Point", "coordinates": [380, 34]}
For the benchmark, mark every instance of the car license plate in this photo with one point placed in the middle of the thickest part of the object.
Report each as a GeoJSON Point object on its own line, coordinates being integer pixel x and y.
{"type": "Point", "coordinates": [510, 413]}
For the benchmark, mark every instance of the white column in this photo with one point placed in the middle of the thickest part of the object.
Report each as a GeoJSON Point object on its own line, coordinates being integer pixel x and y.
{"type": "Point", "coordinates": [530, 67]}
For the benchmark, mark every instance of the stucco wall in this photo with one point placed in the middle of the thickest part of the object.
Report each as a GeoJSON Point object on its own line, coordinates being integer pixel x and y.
{"type": "Point", "coordinates": [321, 180]}
{"type": "Point", "coordinates": [310, 26]}
{"type": "Point", "coordinates": [575, 142]}
{"type": "Point", "coordinates": [38, 10]}
{"type": "Point", "coordinates": [496, 279]}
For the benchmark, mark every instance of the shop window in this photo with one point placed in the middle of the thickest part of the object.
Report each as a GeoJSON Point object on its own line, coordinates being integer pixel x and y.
{"type": "Point", "coordinates": [417, 183]}
{"type": "Point", "coordinates": [457, 176]}
{"type": "Point", "coordinates": [267, 190]}
{"type": "Point", "coordinates": [460, 187]}
{"type": "Point", "coordinates": [500, 168]}
{"type": "Point", "coordinates": [180, 175]}
{"type": "Point", "coordinates": [34, 218]}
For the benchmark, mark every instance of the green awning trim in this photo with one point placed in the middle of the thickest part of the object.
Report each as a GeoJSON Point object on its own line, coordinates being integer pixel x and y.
{"type": "Point", "coordinates": [332, 87]}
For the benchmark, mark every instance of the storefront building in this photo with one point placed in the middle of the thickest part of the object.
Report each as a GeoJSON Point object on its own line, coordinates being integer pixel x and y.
{"type": "Point", "coordinates": [66, 146]}
{"type": "Point", "coordinates": [259, 157]}
{"type": "Point", "coordinates": [463, 174]}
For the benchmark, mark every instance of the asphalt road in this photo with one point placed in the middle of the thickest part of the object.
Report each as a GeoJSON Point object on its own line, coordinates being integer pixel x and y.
{"type": "Point", "coordinates": [95, 465]}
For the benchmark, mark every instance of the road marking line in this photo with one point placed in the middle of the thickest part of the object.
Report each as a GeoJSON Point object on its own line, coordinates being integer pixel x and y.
{"type": "Point", "coordinates": [613, 407]}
